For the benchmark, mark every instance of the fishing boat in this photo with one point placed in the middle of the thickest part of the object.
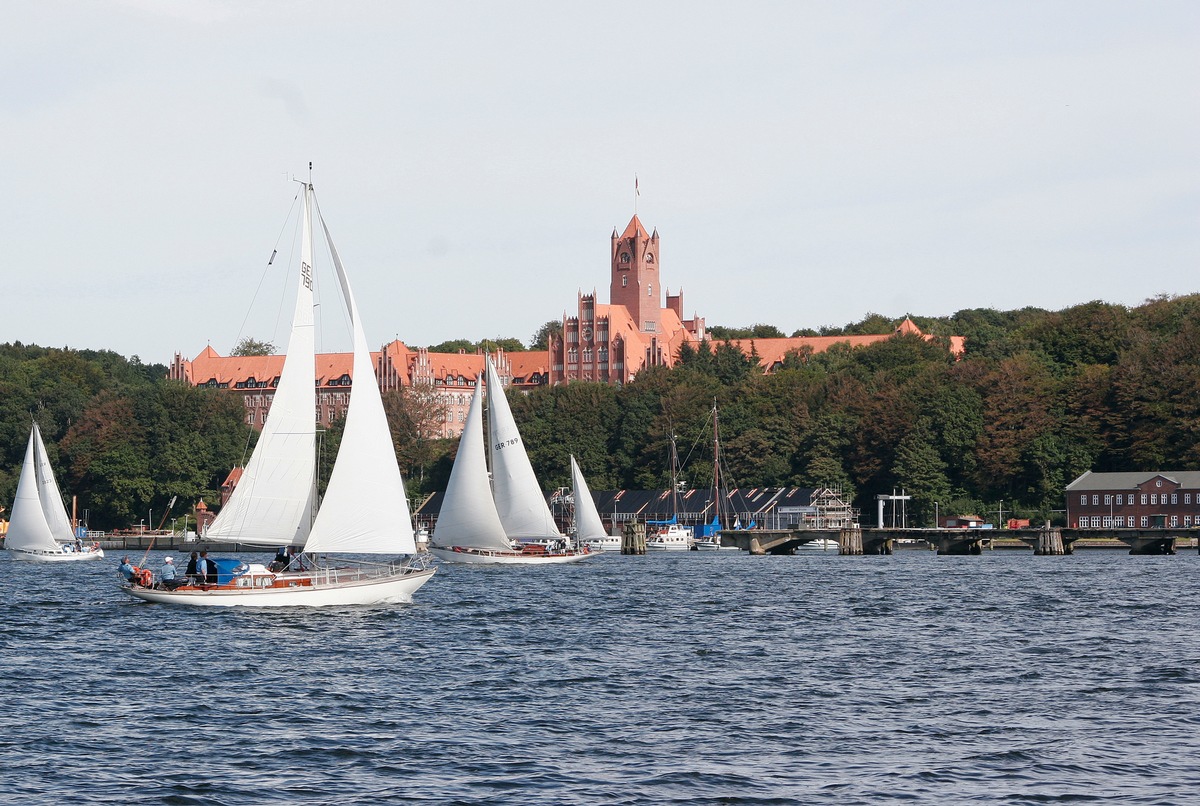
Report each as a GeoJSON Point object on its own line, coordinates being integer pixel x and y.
{"type": "Point", "coordinates": [39, 529]}
{"type": "Point", "coordinates": [503, 520]}
{"type": "Point", "coordinates": [589, 529]}
{"type": "Point", "coordinates": [364, 510]}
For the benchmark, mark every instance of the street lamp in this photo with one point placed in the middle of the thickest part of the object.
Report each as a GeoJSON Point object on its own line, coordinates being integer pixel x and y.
{"type": "Point", "coordinates": [937, 521]}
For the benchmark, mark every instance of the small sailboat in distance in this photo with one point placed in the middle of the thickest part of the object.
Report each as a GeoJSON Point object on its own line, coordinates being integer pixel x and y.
{"type": "Point", "coordinates": [39, 529]}
{"type": "Point", "coordinates": [364, 510]}
{"type": "Point", "coordinates": [589, 529]}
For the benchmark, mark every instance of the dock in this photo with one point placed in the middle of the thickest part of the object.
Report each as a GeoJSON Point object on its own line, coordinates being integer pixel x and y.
{"type": "Point", "coordinates": [1046, 541]}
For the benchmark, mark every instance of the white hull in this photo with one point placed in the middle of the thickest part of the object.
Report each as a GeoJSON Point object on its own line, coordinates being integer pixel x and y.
{"type": "Point", "coordinates": [605, 544]}
{"type": "Point", "coordinates": [383, 590]}
{"type": "Point", "coordinates": [713, 545]}
{"type": "Point", "coordinates": [660, 545]}
{"type": "Point", "coordinates": [485, 557]}
{"type": "Point", "coordinates": [56, 557]}
{"type": "Point", "coordinates": [820, 544]}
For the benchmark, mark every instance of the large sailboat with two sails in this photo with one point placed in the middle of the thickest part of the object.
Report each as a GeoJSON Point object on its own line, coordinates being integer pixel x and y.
{"type": "Point", "coordinates": [364, 511]}
{"type": "Point", "coordinates": [501, 519]}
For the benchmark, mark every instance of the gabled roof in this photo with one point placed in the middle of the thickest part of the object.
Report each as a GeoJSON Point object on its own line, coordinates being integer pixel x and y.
{"type": "Point", "coordinates": [1131, 480]}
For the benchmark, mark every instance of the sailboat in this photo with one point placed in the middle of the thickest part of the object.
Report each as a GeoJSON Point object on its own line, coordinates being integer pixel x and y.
{"type": "Point", "coordinates": [504, 520]}
{"type": "Point", "coordinates": [364, 510]}
{"type": "Point", "coordinates": [671, 536]}
{"type": "Point", "coordinates": [589, 529]}
{"type": "Point", "coordinates": [711, 539]}
{"type": "Point", "coordinates": [39, 529]}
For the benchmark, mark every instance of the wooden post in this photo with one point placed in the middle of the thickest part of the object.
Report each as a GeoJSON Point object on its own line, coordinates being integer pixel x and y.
{"type": "Point", "coordinates": [633, 538]}
{"type": "Point", "coordinates": [850, 541]}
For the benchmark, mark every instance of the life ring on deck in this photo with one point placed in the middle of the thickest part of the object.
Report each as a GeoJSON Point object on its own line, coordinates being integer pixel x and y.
{"type": "Point", "coordinates": [143, 577]}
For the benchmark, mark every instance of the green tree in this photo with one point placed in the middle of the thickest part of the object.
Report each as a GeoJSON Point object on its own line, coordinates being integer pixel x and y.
{"type": "Point", "coordinates": [251, 346]}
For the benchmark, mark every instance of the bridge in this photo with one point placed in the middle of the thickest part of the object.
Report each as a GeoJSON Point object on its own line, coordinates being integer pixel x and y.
{"type": "Point", "coordinates": [1048, 540]}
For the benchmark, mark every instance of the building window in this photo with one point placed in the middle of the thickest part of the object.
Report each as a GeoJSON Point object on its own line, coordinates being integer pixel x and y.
{"type": "Point", "coordinates": [1083, 500]}
{"type": "Point", "coordinates": [624, 280]}
{"type": "Point", "coordinates": [1187, 520]}
{"type": "Point", "coordinates": [649, 289]}
{"type": "Point", "coordinates": [624, 257]}
{"type": "Point", "coordinates": [1107, 500]}
{"type": "Point", "coordinates": [1095, 521]}
{"type": "Point", "coordinates": [1119, 521]}
{"type": "Point", "coordinates": [1095, 500]}
{"type": "Point", "coordinates": [1145, 521]}
{"type": "Point", "coordinates": [1120, 500]}
{"type": "Point", "coordinates": [250, 418]}
{"type": "Point", "coordinates": [1174, 520]}
{"type": "Point", "coordinates": [1143, 500]}
{"type": "Point", "coordinates": [1153, 498]}
{"type": "Point", "coordinates": [1187, 498]}
{"type": "Point", "coordinates": [1106, 522]}
{"type": "Point", "coordinates": [1174, 498]}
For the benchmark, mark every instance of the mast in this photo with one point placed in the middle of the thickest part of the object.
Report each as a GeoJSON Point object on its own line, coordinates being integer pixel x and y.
{"type": "Point", "coordinates": [716, 468]}
{"type": "Point", "coordinates": [674, 479]}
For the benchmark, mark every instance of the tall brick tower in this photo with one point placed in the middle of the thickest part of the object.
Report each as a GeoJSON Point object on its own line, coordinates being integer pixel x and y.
{"type": "Point", "coordinates": [635, 281]}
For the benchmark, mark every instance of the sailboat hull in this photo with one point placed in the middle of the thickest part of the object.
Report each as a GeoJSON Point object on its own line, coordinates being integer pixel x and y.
{"type": "Point", "coordinates": [469, 556]}
{"type": "Point", "coordinates": [55, 556]}
{"type": "Point", "coordinates": [394, 589]}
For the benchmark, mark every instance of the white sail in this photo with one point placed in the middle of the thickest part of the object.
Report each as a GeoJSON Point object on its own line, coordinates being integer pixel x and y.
{"type": "Point", "coordinates": [51, 498]}
{"type": "Point", "coordinates": [29, 527]}
{"type": "Point", "coordinates": [588, 525]}
{"type": "Point", "coordinates": [468, 516]}
{"type": "Point", "coordinates": [519, 499]}
{"type": "Point", "coordinates": [365, 510]}
{"type": "Point", "coordinates": [272, 503]}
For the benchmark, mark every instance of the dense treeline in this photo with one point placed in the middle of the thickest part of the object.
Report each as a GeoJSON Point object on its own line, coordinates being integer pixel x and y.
{"type": "Point", "coordinates": [1038, 398]}
{"type": "Point", "coordinates": [121, 437]}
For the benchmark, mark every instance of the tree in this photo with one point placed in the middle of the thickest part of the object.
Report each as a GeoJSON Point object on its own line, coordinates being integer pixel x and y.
{"type": "Point", "coordinates": [251, 346]}
{"type": "Point", "coordinates": [541, 339]}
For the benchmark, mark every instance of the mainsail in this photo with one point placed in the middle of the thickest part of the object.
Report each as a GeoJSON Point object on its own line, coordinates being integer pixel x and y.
{"type": "Point", "coordinates": [468, 515]}
{"type": "Point", "coordinates": [272, 503]}
{"type": "Point", "coordinates": [519, 499]}
{"type": "Point", "coordinates": [588, 525]}
{"type": "Point", "coordinates": [39, 520]}
{"type": "Point", "coordinates": [365, 509]}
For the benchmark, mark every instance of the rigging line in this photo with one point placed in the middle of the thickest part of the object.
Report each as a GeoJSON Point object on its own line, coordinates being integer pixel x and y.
{"type": "Point", "coordinates": [262, 277]}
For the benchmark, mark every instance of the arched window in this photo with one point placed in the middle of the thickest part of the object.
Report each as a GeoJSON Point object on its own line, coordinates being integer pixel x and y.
{"type": "Point", "coordinates": [624, 257]}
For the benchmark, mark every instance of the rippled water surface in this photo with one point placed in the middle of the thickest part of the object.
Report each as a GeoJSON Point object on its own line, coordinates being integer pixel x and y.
{"type": "Point", "coordinates": [690, 678]}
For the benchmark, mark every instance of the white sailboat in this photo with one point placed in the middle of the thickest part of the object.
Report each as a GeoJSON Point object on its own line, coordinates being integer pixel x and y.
{"type": "Point", "coordinates": [670, 535]}
{"type": "Point", "coordinates": [364, 510]}
{"type": "Point", "coordinates": [505, 520]}
{"type": "Point", "coordinates": [39, 529]}
{"type": "Point", "coordinates": [589, 529]}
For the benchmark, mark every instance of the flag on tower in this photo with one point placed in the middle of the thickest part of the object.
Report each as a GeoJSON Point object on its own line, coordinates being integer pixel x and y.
{"type": "Point", "coordinates": [635, 186]}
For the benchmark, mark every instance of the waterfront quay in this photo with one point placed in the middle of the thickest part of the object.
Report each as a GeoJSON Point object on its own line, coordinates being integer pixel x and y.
{"type": "Point", "coordinates": [1043, 541]}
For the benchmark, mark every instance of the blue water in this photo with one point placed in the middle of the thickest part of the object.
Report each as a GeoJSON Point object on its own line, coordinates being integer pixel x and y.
{"type": "Point", "coordinates": [691, 678]}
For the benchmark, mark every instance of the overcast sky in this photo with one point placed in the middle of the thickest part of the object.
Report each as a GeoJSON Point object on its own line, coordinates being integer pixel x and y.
{"type": "Point", "coordinates": [805, 163]}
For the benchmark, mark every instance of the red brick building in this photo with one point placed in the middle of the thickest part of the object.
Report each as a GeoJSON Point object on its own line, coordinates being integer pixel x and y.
{"type": "Point", "coordinates": [1146, 500]}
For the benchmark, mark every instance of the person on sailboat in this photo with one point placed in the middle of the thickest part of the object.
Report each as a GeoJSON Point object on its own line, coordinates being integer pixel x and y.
{"type": "Point", "coordinates": [126, 569]}
{"type": "Point", "coordinates": [168, 575]}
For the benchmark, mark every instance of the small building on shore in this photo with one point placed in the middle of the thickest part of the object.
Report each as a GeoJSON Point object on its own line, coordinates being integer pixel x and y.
{"type": "Point", "coordinates": [1134, 500]}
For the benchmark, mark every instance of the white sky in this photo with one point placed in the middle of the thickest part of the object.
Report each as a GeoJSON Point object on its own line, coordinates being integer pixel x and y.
{"type": "Point", "coordinates": [804, 162]}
